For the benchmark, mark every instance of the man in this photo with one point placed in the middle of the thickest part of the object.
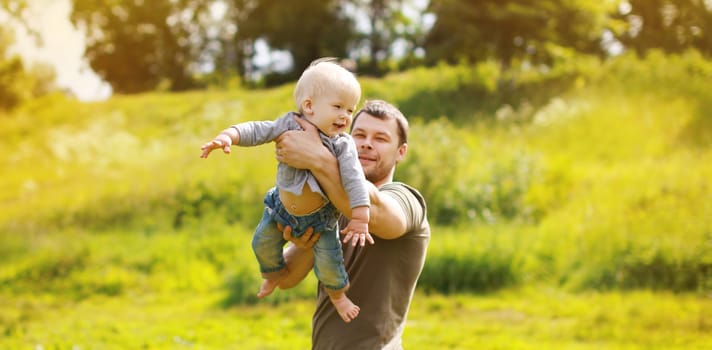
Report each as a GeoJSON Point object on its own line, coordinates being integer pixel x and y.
{"type": "Point", "coordinates": [382, 276]}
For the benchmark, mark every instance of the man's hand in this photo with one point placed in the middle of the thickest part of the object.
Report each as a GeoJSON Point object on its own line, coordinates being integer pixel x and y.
{"type": "Point", "coordinates": [306, 241]}
{"type": "Point", "coordinates": [298, 255]}
{"type": "Point", "coordinates": [300, 148]}
{"type": "Point", "coordinates": [221, 141]}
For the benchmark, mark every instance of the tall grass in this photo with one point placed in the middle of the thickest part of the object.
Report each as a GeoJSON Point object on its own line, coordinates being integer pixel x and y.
{"type": "Point", "coordinates": [76, 265]}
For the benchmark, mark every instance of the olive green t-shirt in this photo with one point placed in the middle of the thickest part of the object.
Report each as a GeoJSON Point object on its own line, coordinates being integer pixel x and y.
{"type": "Point", "coordinates": [383, 278]}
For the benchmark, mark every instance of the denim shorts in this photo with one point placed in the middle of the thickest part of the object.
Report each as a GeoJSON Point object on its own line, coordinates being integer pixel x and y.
{"type": "Point", "coordinates": [267, 242]}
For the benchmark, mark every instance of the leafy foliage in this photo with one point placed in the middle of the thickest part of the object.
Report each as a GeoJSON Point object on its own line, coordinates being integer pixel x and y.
{"type": "Point", "coordinates": [171, 45]}
{"type": "Point", "coordinates": [670, 25]}
{"type": "Point", "coordinates": [508, 30]}
{"type": "Point", "coordinates": [304, 28]}
{"type": "Point", "coordinates": [142, 45]}
{"type": "Point", "coordinates": [18, 81]}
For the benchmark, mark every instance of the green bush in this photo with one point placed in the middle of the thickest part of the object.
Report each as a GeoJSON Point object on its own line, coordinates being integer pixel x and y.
{"type": "Point", "coordinates": [465, 259]}
{"type": "Point", "coordinates": [462, 179]}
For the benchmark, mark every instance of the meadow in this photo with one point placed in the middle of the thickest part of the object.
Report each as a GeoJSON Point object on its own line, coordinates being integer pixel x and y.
{"type": "Point", "coordinates": [570, 209]}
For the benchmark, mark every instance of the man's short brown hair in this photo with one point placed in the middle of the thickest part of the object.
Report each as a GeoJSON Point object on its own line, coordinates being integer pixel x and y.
{"type": "Point", "coordinates": [384, 111]}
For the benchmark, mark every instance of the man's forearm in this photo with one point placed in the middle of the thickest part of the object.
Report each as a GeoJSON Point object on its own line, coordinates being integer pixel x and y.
{"type": "Point", "coordinates": [299, 263]}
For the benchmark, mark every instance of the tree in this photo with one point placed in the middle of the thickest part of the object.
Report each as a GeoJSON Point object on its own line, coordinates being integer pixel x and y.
{"type": "Point", "coordinates": [16, 10]}
{"type": "Point", "coordinates": [18, 81]}
{"type": "Point", "coordinates": [12, 77]}
{"type": "Point", "coordinates": [307, 29]}
{"type": "Point", "coordinates": [139, 45]}
{"type": "Point", "coordinates": [505, 30]}
{"type": "Point", "coordinates": [387, 24]}
{"type": "Point", "coordinates": [670, 25]}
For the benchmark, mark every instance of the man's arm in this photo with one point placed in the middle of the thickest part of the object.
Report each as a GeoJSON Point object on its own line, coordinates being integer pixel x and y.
{"type": "Point", "coordinates": [298, 255]}
{"type": "Point", "coordinates": [387, 219]}
{"type": "Point", "coordinates": [303, 149]}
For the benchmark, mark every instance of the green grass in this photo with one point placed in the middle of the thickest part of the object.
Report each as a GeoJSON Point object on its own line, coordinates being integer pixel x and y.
{"type": "Point", "coordinates": [570, 210]}
{"type": "Point", "coordinates": [543, 318]}
{"type": "Point", "coordinates": [195, 288]}
{"type": "Point", "coordinates": [533, 318]}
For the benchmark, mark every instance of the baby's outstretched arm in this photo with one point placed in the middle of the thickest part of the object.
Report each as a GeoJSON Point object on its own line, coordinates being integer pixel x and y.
{"type": "Point", "coordinates": [224, 140]}
{"type": "Point", "coordinates": [357, 229]}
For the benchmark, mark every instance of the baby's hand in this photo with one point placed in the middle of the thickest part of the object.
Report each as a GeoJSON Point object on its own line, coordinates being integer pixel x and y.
{"type": "Point", "coordinates": [357, 233]}
{"type": "Point", "coordinates": [216, 143]}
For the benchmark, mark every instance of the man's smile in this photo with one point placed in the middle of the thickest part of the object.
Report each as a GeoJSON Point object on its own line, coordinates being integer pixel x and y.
{"type": "Point", "coordinates": [366, 159]}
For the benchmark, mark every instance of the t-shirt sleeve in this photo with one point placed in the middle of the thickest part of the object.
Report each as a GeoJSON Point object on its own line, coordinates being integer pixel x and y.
{"type": "Point", "coordinates": [410, 200]}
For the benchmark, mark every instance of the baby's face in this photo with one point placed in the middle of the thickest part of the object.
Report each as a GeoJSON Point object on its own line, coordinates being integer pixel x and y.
{"type": "Point", "coordinates": [332, 112]}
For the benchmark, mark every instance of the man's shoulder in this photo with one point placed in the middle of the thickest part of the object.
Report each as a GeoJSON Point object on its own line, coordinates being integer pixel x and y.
{"type": "Point", "coordinates": [399, 186]}
{"type": "Point", "coordinates": [413, 206]}
{"type": "Point", "coordinates": [405, 191]}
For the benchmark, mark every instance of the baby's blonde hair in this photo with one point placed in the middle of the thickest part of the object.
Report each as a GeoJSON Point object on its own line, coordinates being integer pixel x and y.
{"type": "Point", "coordinates": [325, 75]}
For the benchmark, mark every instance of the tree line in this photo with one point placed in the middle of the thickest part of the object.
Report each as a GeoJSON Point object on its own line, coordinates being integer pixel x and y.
{"type": "Point", "coordinates": [20, 81]}
{"type": "Point", "coordinates": [142, 45]}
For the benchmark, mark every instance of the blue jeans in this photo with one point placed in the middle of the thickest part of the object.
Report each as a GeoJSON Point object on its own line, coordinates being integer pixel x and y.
{"type": "Point", "coordinates": [267, 242]}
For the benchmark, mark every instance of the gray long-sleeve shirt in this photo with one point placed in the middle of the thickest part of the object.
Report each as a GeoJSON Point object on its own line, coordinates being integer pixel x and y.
{"type": "Point", "coordinates": [293, 180]}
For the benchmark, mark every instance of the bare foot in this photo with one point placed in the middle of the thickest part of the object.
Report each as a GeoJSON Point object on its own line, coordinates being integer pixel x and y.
{"type": "Point", "coordinates": [347, 310]}
{"type": "Point", "coordinates": [267, 287]}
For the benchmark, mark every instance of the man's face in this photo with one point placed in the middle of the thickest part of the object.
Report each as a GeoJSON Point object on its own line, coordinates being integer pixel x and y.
{"type": "Point", "coordinates": [377, 144]}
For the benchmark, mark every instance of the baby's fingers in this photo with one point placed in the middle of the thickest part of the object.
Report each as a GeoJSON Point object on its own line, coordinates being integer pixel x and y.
{"type": "Point", "coordinates": [369, 238]}
{"type": "Point", "coordinates": [348, 237]}
{"type": "Point", "coordinates": [206, 150]}
{"type": "Point", "coordinates": [212, 145]}
{"type": "Point", "coordinates": [360, 239]}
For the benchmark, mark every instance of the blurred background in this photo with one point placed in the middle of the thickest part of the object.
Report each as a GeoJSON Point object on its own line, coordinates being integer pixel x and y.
{"type": "Point", "coordinates": [177, 45]}
{"type": "Point", "coordinates": [563, 148]}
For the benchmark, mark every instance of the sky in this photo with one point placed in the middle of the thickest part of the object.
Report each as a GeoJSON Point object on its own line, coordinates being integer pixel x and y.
{"type": "Point", "coordinates": [62, 46]}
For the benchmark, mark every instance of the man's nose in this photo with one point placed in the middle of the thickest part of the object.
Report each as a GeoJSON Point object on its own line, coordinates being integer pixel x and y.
{"type": "Point", "coordinates": [366, 144]}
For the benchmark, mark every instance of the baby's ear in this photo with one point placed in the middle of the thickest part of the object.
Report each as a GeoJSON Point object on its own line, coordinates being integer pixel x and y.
{"type": "Point", "coordinates": [307, 106]}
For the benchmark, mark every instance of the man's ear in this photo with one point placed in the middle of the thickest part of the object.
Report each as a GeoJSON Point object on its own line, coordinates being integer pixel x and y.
{"type": "Point", "coordinates": [307, 106]}
{"type": "Point", "coordinates": [402, 150]}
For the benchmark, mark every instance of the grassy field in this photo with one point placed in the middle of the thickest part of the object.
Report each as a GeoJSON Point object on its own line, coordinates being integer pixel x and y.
{"type": "Point", "coordinates": [574, 213]}
{"type": "Point", "coordinates": [195, 289]}
{"type": "Point", "coordinates": [532, 318]}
